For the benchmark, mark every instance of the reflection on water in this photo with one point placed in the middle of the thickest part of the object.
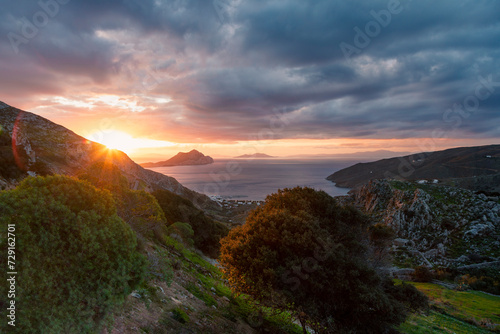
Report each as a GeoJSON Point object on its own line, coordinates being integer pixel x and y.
{"type": "Point", "coordinates": [255, 179]}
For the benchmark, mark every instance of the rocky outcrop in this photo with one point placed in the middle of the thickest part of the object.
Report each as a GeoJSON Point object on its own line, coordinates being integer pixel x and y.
{"type": "Point", "coordinates": [192, 157]}
{"type": "Point", "coordinates": [43, 147]}
{"type": "Point", "coordinates": [434, 224]}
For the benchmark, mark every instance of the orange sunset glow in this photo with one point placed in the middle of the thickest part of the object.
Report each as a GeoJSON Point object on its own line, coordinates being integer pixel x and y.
{"type": "Point", "coordinates": [124, 142]}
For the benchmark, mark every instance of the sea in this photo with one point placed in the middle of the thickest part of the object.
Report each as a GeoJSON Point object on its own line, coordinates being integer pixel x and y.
{"type": "Point", "coordinates": [253, 180]}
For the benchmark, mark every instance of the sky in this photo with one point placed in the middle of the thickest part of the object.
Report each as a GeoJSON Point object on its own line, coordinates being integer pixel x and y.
{"type": "Point", "coordinates": [282, 77]}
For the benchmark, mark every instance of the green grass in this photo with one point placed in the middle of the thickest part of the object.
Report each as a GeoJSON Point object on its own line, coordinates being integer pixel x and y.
{"type": "Point", "coordinates": [179, 315]}
{"type": "Point", "coordinates": [455, 312]}
{"type": "Point", "coordinates": [208, 299]}
{"type": "Point", "coordinates": [436, 322]}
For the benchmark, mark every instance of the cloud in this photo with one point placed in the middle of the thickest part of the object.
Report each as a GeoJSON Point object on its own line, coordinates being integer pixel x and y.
{"type": "Point", "coordinates": [227, 70]}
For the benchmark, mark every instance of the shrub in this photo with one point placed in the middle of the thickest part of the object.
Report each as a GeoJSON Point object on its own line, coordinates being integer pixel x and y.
{"type": "Point", "coordinates": [136, 207]}
{"type": "Point", "coordinates": [422, 274]}
{"type": "Point", "coordinates": [483, 283]}
{"type": "Point", "coordinates": [183, 230]}
{"type": "Point", "coordinates": [179, 315]}
{"type": "Point", "coordinates": [76, 259]}
{"type": "Point", "coordinates": [207, 232]}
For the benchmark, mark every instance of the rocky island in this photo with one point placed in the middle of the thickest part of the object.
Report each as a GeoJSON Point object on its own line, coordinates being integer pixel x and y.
{"type": "Point", "coordinates": [192, 157]}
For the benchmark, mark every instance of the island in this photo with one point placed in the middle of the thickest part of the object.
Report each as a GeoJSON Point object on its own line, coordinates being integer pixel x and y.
{"type": "Point", "coordinates": [255, 156]}
{"type": "Point", "coordinates": [190, 158]}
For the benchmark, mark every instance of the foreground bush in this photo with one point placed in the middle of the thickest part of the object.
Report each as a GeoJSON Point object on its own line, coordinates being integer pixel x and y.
{"type": "Point", "coordinates": [303, 253]}
{"type": "Point", "coordinates": [137, 208]}
{"type": "Point", "coordinates": [76, 259]}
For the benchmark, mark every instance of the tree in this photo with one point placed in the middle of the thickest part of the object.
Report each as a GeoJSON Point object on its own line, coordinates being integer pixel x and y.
{"type": "Point", "coordinates": [301, 252]}
{"type": "Point", "coordinates": [381, 237]}
{"type": "Point", "coordinates": [75, 258]}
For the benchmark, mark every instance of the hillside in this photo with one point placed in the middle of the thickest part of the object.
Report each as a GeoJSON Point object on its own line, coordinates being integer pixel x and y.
{"type": "Point", "coordinates": [192, 157]}
{"type": "Point", "coordinates": [434, 225]}
{"type": "Point", "coordinates": [476, 168]}
{"type": "Point", "coordinates": [30, 144]}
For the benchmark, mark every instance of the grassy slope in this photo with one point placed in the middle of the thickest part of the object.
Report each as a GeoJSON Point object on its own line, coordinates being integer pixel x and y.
{"type": "Point", "coordinates": [455, 312]}
{"type": "Point", "coordinates": [190, 296]}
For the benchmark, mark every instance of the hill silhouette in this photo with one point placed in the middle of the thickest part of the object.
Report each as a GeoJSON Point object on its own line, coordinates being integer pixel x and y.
{"type": "Point", "coordinates": [476, 168]}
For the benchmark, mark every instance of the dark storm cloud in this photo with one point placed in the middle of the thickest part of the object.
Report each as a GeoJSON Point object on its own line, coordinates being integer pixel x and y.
{"type": "Point", "coordinates": [229, 65]}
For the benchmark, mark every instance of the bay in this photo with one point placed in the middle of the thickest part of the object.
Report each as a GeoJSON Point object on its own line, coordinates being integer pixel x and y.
{"type": "Point", "coordinates": [257, 178]}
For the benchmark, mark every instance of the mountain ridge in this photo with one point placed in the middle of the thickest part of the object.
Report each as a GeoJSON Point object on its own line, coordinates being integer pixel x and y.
{"type": "Point", "coordinates": [40, 146]}
{"type": "Point", "coordinates": [254, 156]}
{"type": "Point", "coordinates": [473, 167]}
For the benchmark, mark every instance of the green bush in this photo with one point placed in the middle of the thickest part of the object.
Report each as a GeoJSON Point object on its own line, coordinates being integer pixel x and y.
{"type": "Point", "coordinates": [76, 259]}
{"type": "Point", "coordinates": [207, 232]}
{"type": "Point", "coordinates": [12, 165]}
{"type": "Point", "coordinates": [179, 315]}
{"type": "Point", "coordinates": [136, 207]}
{"type": "Point", "coordinates": [185, 231]}
{"type": "Point", "coordinates": [422, 274]}
{"type": "Point", "coordinates": [483, 283]}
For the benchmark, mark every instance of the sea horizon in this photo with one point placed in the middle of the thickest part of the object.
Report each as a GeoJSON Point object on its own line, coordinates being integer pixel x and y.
{"type": "Point", "coordinates": [253, 180]}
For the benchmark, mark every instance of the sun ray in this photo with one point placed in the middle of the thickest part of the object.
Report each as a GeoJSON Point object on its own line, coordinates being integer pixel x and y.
{"type": "Point", "coordinates": [124, 142]}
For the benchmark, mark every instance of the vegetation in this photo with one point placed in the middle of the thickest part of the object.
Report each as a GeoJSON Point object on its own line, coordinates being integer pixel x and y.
{"type": "Point", "coordinates": [136, 207]}
{"type": "Point", "coordinates": [380, 237]}
{"type": "Point", "coordinates": [455, 311]}
{"type": "Point", "coordinates": [481, 283]}
{"type": "Point", "coordinates": [9, 168]}
{"type": "Point", "coordinates": [179, 315]}
{"type": "Point", "coordinates": [284, 254]}
{"type": "Point", "coordinates": [207, 232]}
{"type": "Point", "coordinates": [76, 259]}
{"type": "Point", "coordinates": [422, 274]}
{"type": "Point", "coordinates": [82, 260]}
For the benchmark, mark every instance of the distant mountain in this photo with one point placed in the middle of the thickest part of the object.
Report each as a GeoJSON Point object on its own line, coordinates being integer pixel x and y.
{"type": "Point", "coordinates": [476, 168]}
{"type": "Point", "coordinates": [31, 144]}
{"type": "Point", "coordinates": [192, 157]}
{"type": "Point", "coordinates": [356, 156]}
{"type": "Point", "coordinates": [254, 156]}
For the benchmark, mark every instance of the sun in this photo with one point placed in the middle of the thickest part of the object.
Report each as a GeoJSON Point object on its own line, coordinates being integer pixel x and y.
{"type": "Point", "coordinates": [118, 140]}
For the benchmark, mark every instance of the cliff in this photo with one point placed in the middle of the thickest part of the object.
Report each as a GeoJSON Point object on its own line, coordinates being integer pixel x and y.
{"type": "Point", "coordinates": [30, 144]}
{"type": "Point", "coordinates": [435, 225]}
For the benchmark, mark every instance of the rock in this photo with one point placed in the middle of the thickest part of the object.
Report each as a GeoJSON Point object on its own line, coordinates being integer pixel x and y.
{"type": "Point", "coordinates": [431, 253]}
{"type": "Point", "coordinates": [400, 242]}
{"type": "Point", "coordinates": [431, 220]}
